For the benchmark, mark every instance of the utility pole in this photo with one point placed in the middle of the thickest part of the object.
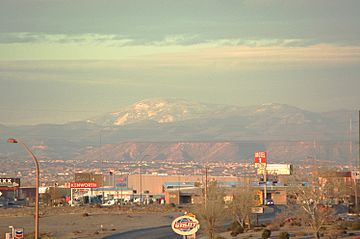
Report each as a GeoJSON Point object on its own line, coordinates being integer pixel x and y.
{"type": "Point", "coordinates": [350, 143]}
{"type": "Point", "coordinates": [140, 183]}
{"type": "Point", "coordinates": [206, 185]}
{"type": "Point", "coordinates": [357, 170]}
{"type": "Point", "coordinates": [265, 183]}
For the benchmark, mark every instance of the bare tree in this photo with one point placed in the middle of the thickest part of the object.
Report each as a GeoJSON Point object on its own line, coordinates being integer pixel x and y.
{"type": "Point", "coordinates": [212, 212]}
{"type": "Point", "coordinates": [242, 204]}
{"type": "Point", "coordinates": [310, 202]}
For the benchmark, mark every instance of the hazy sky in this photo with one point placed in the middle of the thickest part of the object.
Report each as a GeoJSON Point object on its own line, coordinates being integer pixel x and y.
{"type": "Point", "coordinates": [64, 60]}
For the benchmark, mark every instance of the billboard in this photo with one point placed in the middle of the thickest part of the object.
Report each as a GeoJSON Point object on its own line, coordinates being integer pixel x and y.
{"type": "Point", "coordinates": [89, 177]}
{"type": "Point", "coordinates": [10, 182]}
{"type": "Point", "coordinates": [276, 169]}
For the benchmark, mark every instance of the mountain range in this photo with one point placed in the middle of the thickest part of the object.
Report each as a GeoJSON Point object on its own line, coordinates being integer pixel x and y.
{"type": "Point", "coordinates": [173, 129]}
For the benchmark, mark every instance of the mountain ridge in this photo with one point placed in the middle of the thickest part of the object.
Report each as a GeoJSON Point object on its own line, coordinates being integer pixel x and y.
{"type": "Point", "coordinates": [251, 127]}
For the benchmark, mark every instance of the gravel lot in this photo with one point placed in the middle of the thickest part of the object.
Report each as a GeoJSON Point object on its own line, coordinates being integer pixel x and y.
{"type": "Point", "coordinates": [87, 222]}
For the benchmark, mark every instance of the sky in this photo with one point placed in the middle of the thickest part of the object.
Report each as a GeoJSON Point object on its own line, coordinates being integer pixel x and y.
{"type": "Point", "coordinates": [67, 60]}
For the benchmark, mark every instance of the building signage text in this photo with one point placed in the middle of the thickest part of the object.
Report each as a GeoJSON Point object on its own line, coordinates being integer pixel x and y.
{"type": "Point", "coordinates": [83, 185]}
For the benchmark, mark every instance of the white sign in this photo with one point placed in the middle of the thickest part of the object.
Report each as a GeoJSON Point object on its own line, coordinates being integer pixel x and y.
{"type": "Point", "coordinates": [257, 210]}
{"type": "Point", "coordinates": [355, 174]}
{"type": "Point", "coordinates": [185, 225]}
{"type": "Point", "coordinates": [276, 169]}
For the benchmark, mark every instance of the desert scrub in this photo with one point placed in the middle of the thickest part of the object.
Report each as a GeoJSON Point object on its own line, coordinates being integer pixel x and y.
{"type": "Point", "coordinates": [266, 234]}
{"type": "Point", "coordinates": [284, 235]}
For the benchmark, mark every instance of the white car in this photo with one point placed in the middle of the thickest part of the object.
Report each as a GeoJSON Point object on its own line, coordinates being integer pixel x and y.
{"type": "Point", "coordinates": [269, 202]}
{"type": "Point", "coordinates": [109, 203]}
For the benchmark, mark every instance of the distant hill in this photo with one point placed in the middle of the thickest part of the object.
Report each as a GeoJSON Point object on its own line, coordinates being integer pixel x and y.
{"type": "Point", "coordinates": [205, 132]}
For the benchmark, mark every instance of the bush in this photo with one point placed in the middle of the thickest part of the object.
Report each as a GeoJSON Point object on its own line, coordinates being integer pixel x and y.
{"type": "Point", "coordinates": [284, 235]}
{"type": "Point", "coordinates": [273, 227]}
{"type": "Point", "coordinates": [355, 226]}
{"type": "Point", "coordinates": [266, 234]}
{"type": "Point", "coordinates": [344, 225]}
{"type": "Point", "coordinates": [85, 214]}
{"type": "Point", "coordinates": [236, 229]}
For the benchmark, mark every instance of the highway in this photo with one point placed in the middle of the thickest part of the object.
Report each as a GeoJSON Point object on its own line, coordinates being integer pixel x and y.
{"type": "Point", "coordinates": [165, 232]}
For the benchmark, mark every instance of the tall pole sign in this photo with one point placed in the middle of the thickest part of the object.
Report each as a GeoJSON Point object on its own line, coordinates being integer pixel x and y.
{"type": "Point", "coordinates": [260, 157]}
{"type": "Point", "coordinates": [261, 161]}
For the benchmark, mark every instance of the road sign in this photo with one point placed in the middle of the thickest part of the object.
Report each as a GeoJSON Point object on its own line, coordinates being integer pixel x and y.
{"type": "Point", "coordinates": [185, 225]}
{"type": "Point", "coordinates": [260, 157]}
{"type": "Point", "coordinates": [257, 210]}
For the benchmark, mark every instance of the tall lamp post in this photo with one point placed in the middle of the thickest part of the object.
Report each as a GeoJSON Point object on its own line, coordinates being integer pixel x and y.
{"type": "Point", "coordinates": [14, 141]}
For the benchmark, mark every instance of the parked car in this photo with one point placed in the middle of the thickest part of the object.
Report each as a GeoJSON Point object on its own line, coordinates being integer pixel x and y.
{"type": "Point", "coordinates": [109, 203]}
{"type": "Point", "coordinates": [14, 205]}
{"type": "Point", "coordinates": [269, 202]}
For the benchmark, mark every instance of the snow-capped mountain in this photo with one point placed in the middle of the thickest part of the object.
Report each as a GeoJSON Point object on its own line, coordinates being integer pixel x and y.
{"type": "Point", "coordinates": [172, 111]}
{"type": "Point", "coordinates": [161, 123]}
{"type": "Point", "coordinates": [158, 110]}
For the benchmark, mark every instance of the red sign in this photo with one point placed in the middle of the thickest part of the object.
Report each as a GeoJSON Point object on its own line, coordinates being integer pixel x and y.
{"type": "Point", "coordinates": [19, 233]}
{"type": "Point", "coordinates": [260, 157]}
{"type": "Point", "coordinates": [185, 225]}
{"type": "Point", "coordinates": [83, 185]}
{"type": "Point", "coordinates": [120, 179]}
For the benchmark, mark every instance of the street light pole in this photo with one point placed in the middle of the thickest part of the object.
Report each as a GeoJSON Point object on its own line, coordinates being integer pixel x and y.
{"type": "Point", "coordinates": [37, 171]}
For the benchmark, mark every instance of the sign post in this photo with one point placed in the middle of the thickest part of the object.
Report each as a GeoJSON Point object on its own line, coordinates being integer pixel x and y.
{"type": "Point", "coordinates": [260, 160]}
{"type": "Point", "coordinates": [355, 176]}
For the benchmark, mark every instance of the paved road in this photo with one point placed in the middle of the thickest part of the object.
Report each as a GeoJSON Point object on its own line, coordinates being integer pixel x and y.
{"type": "Point", "coordinates": [163, 232]}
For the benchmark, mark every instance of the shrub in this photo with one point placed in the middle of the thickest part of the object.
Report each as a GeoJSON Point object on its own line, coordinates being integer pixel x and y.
{"type": "Point", "coordinates": [344, 225]}
{"type": "Point", "coordinates": [284, 235]}
{"type": "Point", "coordinates": [266, 234]}
{"type": "Point", "coordinates": [355, 226]}
{"type": "Point", "coordinates": [273, 227]}
{"type": "Point", "coordinates": [236, 229]}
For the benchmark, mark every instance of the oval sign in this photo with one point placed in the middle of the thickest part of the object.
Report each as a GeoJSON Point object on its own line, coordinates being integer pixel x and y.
{"type": "Point", "coordinates": [185, 225]}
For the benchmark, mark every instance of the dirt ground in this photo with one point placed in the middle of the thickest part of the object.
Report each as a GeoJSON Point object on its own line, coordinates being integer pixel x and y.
{"type": "Point", "coordinates": [296, 233]}
{"type": "Point", "coordinates": [95, 222]}
{"type": "Point", "coordinates": [87, 222]}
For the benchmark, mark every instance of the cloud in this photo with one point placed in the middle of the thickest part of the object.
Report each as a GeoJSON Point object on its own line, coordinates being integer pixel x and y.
{"type": "Point", "coordinates": [167, 40]}
{"type": "Point", "coordinates": [169, 50]}
{"type": "Point", "coordinates": [91, 38]}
